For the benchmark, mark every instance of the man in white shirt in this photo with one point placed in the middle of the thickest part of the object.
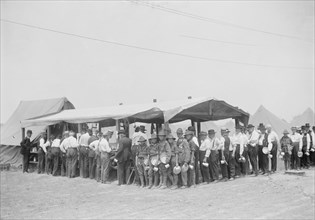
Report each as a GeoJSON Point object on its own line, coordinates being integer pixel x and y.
{"type": "Point", "coordinates": [306, 140]}
{"type": "Point", "coordinates": [105, 150]}
{"type": "Point", "coordinates": [70, 146]}
{"type": "Point", "coordinates": [273, 142]}
{"type": "Point", "coordinates": [214, 147]}
{"type": "Point", "coordinates": [43, 143]}
{"type": "Point", "coordinates": [245, 166]}
{"type": "Point", "coordinates": [55, 151]}
{"type": "Point", "coordinates": [63, 155]}
{"type": "Point", "coordinates": [263, 142]}
{"type": "Point", "coordinates": [94, 145]}
{"type": "Point", "coordinates": [252, 147]}
{"type": "Point", "coordinates": [312, 149]}
{"type": "Point", "coordinates": [84, 153]}
{"type": "Point", "coordinates": [204, 153]}
{"type": "Point", "coordinates": [238, 144]}
{"type": "Point", "coordinates": [297, 147]}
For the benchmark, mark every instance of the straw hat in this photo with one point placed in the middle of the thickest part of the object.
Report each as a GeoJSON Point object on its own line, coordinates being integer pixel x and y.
{"type": "Point", "coordinates": [176, 170]}
{"type": "Point", "coordinates": [184, 168]}
{"type": "Point", "coordinates": [265, 150]}
{"type": "Point", "coordinates": [300, 154]}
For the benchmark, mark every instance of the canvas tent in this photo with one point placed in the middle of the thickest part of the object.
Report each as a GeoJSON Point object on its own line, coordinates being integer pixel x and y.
{"type": "Point", "coordinates": [11, 132]}
{"type": "Point", "coordinates": [307, 116]}
{"type": "Point", "coordinates": [198, 110]}
{"type": "Point", "coordinates": [262, 115]}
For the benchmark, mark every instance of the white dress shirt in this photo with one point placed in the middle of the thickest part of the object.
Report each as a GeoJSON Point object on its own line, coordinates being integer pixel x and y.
{"type": "Point", "coordinates": [253, 138]}
{"type": "Point", "coordinates": [297, 138]}
{"type": "Point", "coordinates": [238, 139]}
{"type": "Point", "coordinates": [205, 146]}
{"type": "Point", "coordinates": [101, 145]}
{"type": "Point", "coordinates": [69, 142]}
{"type": "Point", "coordinates": [44, 145]}
{"type": "Point", "coordinates": [214, 143]}
{"type": "Point", "coordinates": [272, 137]}
{"type": "Point", "coordinates": [84, 139]}
{"type": "Point", "coordinates": [55, 143]}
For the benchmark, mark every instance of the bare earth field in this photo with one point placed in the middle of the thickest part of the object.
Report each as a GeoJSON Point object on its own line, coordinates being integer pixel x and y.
{"type": "Point", "coordinates": [34, 196]}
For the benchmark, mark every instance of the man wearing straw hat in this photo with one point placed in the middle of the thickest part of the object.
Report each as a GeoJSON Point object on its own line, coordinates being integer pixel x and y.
{"type": "Point", "coordinates": [238, 144]}
{"type": "Point", "coordinates": [204, 153]}
{"type": "Point", "coordinates": [252, 147]}
{"type": "Point", "coordinates": [263, 144]}
{"type": "Point", "coordinates": [297, 147]}
{"type": "Point", "coordinates": [306, 140]}
{"type": "Point", "coordinates": [164, 156]}
{"type": "Point", "coordinates": [225, 155]}
{"type": "Point", "coordinates": [84, 153]}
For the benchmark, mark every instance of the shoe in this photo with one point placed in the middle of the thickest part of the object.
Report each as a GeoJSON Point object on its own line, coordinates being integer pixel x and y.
{"type": "Point", "coordinates": [231, 179]}
{"type": "Point", "coordinates": [237, 176]}
{"type": "Point", "coordinates": [174, 187]}
{"type": "Point", "coordinates": [184, 187]}
{"type": "Point", "coordinates": [150, 186]}
{"type": "Point", "coordinates": [216, 181]}
{"type": "Point", "coordinates": [163, 187]}
{"type": "Point", "coordinates": [107, 182]}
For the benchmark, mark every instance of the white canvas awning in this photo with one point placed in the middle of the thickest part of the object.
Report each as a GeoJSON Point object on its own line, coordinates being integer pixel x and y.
{"type": "Point", "coordinates": [200, 109]}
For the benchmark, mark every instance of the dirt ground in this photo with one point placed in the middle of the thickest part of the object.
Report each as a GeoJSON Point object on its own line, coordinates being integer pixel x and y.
{"type": "Point", "coordinates": [39, 196]}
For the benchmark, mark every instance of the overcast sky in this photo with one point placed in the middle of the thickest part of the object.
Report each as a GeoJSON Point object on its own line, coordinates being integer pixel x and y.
{"type": "Point", "coordinates": [39, 64]}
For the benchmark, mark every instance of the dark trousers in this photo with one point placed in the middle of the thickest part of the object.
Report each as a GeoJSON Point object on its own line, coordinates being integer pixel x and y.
{"type": "Point", "coordinates": [273, 152]}
{"type": "Point", "coordinates": [231, 165]}
{"type": "Point", "coordinates": [252, 153]}
{"type": "Point", "coordinates": [260, 157]}
{"type": "Point", "coordinates": [163, 173]}
{"type": "Point", "coordinates": [154, 174]}
{"type": "Point", "coordinates": [197, 167]}
{"type": "Point", "coordinates": [48, 162]}
{"type": "Point", "coordinates": [41, 161]}
{"type": "Point", "coordinates": [84, 161]}
{"type": "Point", "coordinates": [224, 167]}
{"type": "Point", "coordinates": [98, 167]}
{"type": "Point", "coordinates": [72, 162]}
{"type": "Point", "coordinates": [312, 157]}
{"type": "Point", "coordinates": [55, 159]}
{"type": "Point", "coordinates": [204, 170]}
{"type": "Point", "coordinates": [295, 160]}
{"type": "Point", "coordinates": [63, 168]}
{"type": "Point", "coordinates": [26, 161]}
{"type": "Point", "coordinates": [214, 166]}
{"type": "Point", "coordinates": [245, 166]}
{"type": "Point", "coordinates": [92, 167]}
{"type": "Point", "coordinates": [123, 172]}
{"type": "Point", "coordinates": [265, 163]}
{"type": "Point", "coordinates": [237, 163]}
{"type": "Point", "coordinates": [305, 160]}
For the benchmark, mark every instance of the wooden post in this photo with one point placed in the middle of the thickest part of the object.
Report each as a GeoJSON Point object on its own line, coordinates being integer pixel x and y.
{"type": "Point", "coordinates": [192, 122]}
{"type": "Point", "coordinates": [23, 133]}
{"type": "Point", "coordinates": [117, 128]}
{"type": "Point", "coordinates": [198, 128]}
{"type": "Point", "coordinates": [79, 128]}
{"type": "Point", "coordinates": [236, 122]}
{"type": "Point", "coordinates": [48, 132]}
{"type": "Point", "coordinates": [99, 127]}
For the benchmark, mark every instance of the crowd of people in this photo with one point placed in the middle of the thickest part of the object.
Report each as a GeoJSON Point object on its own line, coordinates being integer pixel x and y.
{"type": "Point", "coordinates": [163, 161]}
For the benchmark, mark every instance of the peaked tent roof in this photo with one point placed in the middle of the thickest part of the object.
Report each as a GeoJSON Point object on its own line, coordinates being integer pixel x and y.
{"type": "Point", "coordinates": [262, 115]}
{"type": "Point", "coordinates": [11, 131]}
{"type": "Point", "coordinates": [308, 116]}
{"type": "Point", "coordinates": [199, 109]}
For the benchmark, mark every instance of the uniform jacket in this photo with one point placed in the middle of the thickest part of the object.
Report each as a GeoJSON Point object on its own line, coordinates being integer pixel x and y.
{"type": "Point", "coordinates": [286, 144]}
{"type": "Point", "coordinates": [142, 151]}
{"type": "Point", "coordinates": [184, 152]}
{"type": "Point", "coordinates": [165, 149]}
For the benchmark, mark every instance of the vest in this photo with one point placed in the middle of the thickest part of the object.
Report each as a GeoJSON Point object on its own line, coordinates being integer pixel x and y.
{"type": "Point", "coordinates": [304, 140]}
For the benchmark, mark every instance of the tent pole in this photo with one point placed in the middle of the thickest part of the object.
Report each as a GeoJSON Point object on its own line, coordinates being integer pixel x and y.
{"type": "Point", "coordinates": [23, 133]}
{"type": "Point", "coordinates": [192, 122]}
{"type": "Point", "coordinates": [236, 122]}
{"type": "Point", "coordinates": [117, 129]}
{"type": "Point", "coordinates": [48, 132]}
{"type": "Point", "coordinates": [99, 127]}
{"type": "Point", "coordinates": [79, 128]}
{"type": "Point", "coordinates": [198, 128]}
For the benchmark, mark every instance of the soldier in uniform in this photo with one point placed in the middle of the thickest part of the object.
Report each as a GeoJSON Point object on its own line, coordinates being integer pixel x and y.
{"type": "Point", "coordinates": [286, 147]}
{"type": "Point", "coordinates": [174, 157]}
{"type": "Point", "coordinates": [142, 154]}
{"type": "Point", "coordinates": [25, 150]}
{"type": "Point", "coordinates": [153, 154]}
{"type": "Point", "coordinates": [184, 156]}
{"type": "Point", "coordinates": [193, 149]}
{"type": "Point", "coordinates": [164, 157]}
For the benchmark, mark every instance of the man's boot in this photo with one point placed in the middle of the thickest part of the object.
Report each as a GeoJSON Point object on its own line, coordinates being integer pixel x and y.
{"type": "Point", "coordinates": [150, 183]}
{"type": "Point", "coordinates": [164, 186]}
{"type": "Point", "coordinates": [142, 181]}
{"type": "Point", "coordinates": [146, 180]}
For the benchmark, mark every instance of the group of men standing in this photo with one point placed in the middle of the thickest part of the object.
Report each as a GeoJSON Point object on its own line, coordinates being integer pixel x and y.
{"type": "Point", "coordinates": [163, 161]}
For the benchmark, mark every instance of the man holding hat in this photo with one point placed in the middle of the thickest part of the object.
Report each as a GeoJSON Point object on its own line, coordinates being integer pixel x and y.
{"type": "Point", "coordinates": [164, 157]}
{"type": "Point", "coordinates": [312, 147]}
{"type": "Point", "coordinates": [184, 156]}
{"type": "Point", "coordinates": [204, 153]}
{"type": "Point", "coordinates": [263, 142]}
{"type": "Point", "coordinates": [174, 158]}
{"type": "Point", "coordinates": [214, 155]}
{"type": "Point", "coordinates": [26, 149]}
{"type": "Point", "coordinates": [273, 141]}
{"type": "Point", "coordinates": [122, 157]}
{"type": "Point", "coordinates": [141, 154]}
{"type": "Point", "coordinates": [297, 147]}
{"type": "Point", "coordinates": [95, 146]}
{"type": "Point", "coordinates": [238, 144]}
{"type": "Point", "coordinates": [227, 161]}
{"type": "Point", "coordinates": [193, 148]}
{"type": "Point", "coordinates": [153, 161]}
{"type": "Point", "coordinates": [195, 140]}
{"type": "Point", "coordinates": [252, 147]}
{"type": "Point", "coordinates": [286, 147]}
{"type": "Point", "coordinates": [306, 140]}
